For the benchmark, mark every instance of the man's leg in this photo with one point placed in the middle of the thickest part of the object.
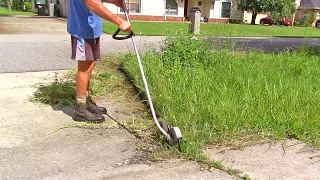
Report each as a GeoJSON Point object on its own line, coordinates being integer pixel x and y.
{"type": "Point", "coordinates": [83, 77]}
{"type": "Point", "coordinates": [82, 52]}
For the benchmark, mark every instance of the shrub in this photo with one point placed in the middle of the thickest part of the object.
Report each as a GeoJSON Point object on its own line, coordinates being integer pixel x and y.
{"type": "Point", "coordinates": [310, 18]}
{"type": "Point", "coordinates": [297, 23]}
{"type": "Point", "coordinates": [28, 6]}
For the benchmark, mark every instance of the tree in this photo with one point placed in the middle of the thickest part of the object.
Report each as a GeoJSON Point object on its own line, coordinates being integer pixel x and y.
{"type": "Point", "coordinates": [9, 3]}
{"type": "Point", "coordinates": [256, 6]}
{"type": "Point", "coordinates": [277, 7]}
{"type": "Point", "coordinates": [280, 8]}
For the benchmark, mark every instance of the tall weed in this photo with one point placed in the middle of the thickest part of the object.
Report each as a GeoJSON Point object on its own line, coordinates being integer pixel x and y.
{"type": "Point", "coordinates": [215, 96]}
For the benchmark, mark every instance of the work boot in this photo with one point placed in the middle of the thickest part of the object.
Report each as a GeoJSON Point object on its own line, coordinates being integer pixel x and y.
{"type": "Point", "coordinates": [81, 113]}
{"type": "Point", "coordinates": [92, 107]}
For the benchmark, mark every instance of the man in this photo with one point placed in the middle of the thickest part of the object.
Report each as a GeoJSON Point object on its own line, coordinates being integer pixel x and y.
{"type": "Point", "coordinates": [85, 26]}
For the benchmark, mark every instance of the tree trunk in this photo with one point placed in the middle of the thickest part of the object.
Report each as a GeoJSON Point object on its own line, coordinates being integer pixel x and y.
{"type": "Point", "coordinates": [23, 8]}
{"type": "Point", "coordinates": [254, 16]}
{"type": "Point", "coordinates": [9, 3]}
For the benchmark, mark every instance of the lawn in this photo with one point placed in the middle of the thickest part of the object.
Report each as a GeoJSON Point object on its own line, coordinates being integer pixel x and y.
{"type": "Point", "coordinates": [241, 30]}
{"type": "Point", "coordinates": [5, 12]}
{"type": "Point", "coordinates": [220, 96]}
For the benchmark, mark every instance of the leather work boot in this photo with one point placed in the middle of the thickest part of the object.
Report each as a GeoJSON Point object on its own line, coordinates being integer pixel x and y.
{"type": "Point", "coordinates": [81, 113]}
{"type": "Point", "coordinates": [92, 107]}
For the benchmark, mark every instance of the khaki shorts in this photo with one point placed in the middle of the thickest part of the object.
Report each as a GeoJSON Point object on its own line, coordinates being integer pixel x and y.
{"type": "Point", "coordinates": [85, 49]}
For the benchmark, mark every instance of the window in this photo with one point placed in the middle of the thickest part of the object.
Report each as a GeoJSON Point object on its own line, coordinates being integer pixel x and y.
{"type": "Point", "coordinates": [133, 6]}
{"type": "Point", "coordinates": [171, 7]}
{"type": "Point", "coordinates": [226, 10]}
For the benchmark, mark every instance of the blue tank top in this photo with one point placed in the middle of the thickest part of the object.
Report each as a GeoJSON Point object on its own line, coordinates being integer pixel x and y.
{"type": "Point", "coordinates": [81, 22]}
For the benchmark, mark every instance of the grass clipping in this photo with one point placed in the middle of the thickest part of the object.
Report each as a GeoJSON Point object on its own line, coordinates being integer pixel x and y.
{"type": "Point", "coordinates": [215, 94]}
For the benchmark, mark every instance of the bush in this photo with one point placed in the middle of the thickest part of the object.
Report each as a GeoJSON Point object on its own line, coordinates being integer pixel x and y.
{"type": "Point", "coordinates": [310, 18]}
{"type": "Point", "coordinates": [297, 23]}
{"type": "Point", "coordinates": [28, 6]}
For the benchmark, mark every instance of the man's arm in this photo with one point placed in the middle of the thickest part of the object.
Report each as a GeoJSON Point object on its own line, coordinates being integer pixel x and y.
{"type": "Point", "coordinates": [99, 9]}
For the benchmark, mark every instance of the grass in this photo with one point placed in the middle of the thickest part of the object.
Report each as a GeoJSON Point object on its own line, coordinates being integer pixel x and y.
{"type": "Point", "coordinates": [106, 81]}
{"type": "Point", "coordinates": [218, 96]}
{"type": "Point", "coordinates": [5, 12]}
{"type": "Point", "coordinates": [240, 30]}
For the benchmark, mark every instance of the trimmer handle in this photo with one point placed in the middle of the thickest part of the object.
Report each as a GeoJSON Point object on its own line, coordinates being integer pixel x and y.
{"type": "Point", "coordinates": [114, 36]}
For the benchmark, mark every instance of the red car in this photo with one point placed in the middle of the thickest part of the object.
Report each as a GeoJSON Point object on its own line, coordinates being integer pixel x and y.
{"type": "Point", "coordinates": [284, 21]}
{"type": "Point", "coordinates": [266, 20]}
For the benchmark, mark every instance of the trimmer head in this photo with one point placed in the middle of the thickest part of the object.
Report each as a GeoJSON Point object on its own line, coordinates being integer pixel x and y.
{"type": "Point", "coordinates": [174, 132]}
{"type": "Point", "coordinates": [175, 135]}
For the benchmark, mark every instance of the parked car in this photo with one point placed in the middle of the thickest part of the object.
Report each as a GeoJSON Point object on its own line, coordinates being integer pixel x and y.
{"type": "Point", "coordinates": [268, 20]}
{"type": "Point", "coordinates": [286, 22]}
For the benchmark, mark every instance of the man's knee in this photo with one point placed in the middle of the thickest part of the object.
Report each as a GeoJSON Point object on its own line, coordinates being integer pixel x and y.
{"type": "Point", "coordinates": [86, 66]}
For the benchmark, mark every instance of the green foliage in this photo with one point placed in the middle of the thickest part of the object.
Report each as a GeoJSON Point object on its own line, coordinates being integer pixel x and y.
{"type": "Point", "coordinates": [226, 94]}
{"type": "Point", "coordinates": [254, 5]}
{"type": "Point", "coordinates": [28, 6]}
{"type": "Point", "coordinates": [283, 8]}
{"type": "Point", "coordinates": [310, 18]}
{"type": "Point", "coordinates": [278, 8]}
{"type": "Point", "coordinates": [185, 50]}
{"type": "Point", "coordinates": [297, 23]}
{"type": "Point", "coordinates": [17, 5]}
{"type": "Point", "coordinates": [58, 93]}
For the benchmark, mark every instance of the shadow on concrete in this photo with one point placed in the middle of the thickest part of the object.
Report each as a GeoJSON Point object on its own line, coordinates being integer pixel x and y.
{"type": "Point", "coordinates": [68, 110]}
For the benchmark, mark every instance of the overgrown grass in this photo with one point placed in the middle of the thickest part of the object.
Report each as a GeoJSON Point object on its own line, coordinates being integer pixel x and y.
{"type": "Point", "coordinates": [217, 96]}
{"type": "Point", "coordinates": [5, 12]}
{"type": "Point", "coordinates": [239, 30]}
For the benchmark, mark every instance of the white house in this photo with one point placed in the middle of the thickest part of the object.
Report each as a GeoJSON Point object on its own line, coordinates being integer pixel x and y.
{"type": "Point", "coordinates": [178, 10]}
{"type": "Point", "coordinates": [216, 11]}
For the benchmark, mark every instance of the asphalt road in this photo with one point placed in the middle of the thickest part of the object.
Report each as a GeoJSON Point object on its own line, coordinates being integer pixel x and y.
{"type": "Point", "coordinates": [42, 44]}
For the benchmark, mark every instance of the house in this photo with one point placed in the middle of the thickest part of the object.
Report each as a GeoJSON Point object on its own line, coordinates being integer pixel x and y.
{"type": "Point", "coordinates": [216, 11]}
{"type": "Point", "coordinates": [305, 7]}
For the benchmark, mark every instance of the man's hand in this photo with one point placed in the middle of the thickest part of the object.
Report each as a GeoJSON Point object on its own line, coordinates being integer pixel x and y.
{"type": "Point", "coordinates": [125, 26]}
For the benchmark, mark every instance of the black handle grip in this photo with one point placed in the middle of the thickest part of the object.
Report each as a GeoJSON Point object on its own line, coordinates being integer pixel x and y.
{"type": "Point", "coordinates": [114, 36]}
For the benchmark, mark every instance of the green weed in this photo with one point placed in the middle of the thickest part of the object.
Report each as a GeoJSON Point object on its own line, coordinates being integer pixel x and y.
{"type": "Point", "coordinates": [59, 93]}
{"type": "Point", "coordinates": [215, 96]}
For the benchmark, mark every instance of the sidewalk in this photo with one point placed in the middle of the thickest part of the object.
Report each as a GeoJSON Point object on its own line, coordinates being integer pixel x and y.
{"type": "Point", "coordinates": [33, 147]}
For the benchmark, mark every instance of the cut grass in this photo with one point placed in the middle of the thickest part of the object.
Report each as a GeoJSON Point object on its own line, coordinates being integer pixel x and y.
{"type": "Point", "coordinates": [5, 12]}
{"type": "Point", "coordinates": [218, 96]}
{"type": "Point", "coordinates": [237, 30]}
{"type": "Point", "coordinates": [106, 80]}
